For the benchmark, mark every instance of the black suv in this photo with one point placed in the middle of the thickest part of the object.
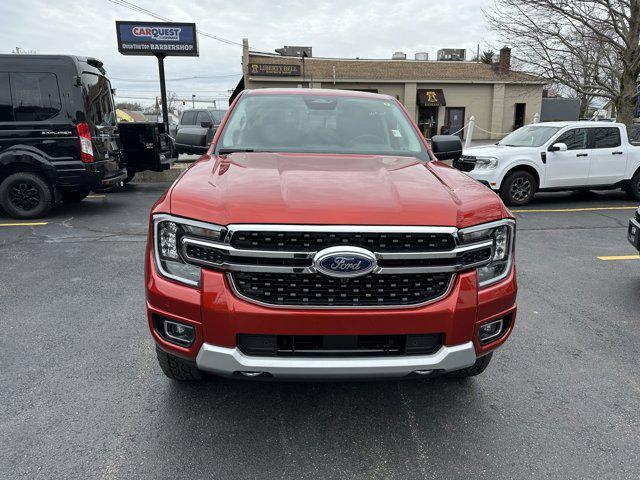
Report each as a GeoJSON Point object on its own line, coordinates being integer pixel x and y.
{"type": "Point", "coordinates": [58, 132]}
{"type": "Point", "coordinates": [196, 129]}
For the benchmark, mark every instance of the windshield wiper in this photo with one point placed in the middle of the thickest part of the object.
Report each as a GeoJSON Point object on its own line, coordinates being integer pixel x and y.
{"type": "Point", "coordinates": [226, 151]}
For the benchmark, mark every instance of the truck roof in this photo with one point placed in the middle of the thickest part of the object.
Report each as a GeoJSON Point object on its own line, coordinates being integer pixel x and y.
{"type": "Point", "coordinates": [317, 91]}
{"type": "Point", "coordinates": [585, 123]}
{"type": "Point", "coordinates": [86, 63]}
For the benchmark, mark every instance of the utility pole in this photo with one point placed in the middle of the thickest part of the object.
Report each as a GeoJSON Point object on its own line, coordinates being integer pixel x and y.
{"type": "Point", "coordinates": [193, 100]}
{"type": "Point", "coordinates": [163, 91]}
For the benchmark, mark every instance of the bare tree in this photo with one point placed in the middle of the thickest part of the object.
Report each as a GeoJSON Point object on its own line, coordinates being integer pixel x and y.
{"type": "Point", "coordinates": [135, 106]}
{"type": "Point", "coordinates": [589, 46]}
{"type": "Point", "coordinates": [172, 101]}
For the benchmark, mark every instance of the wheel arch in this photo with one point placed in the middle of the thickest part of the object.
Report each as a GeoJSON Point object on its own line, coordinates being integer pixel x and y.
{"type": "Point", "coordinates": [527, 168]}
{"type": "Point", "coordinates": [26, 160]}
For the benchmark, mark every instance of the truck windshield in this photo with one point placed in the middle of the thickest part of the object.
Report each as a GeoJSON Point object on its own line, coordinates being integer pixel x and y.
{"type": "Point", "coordinates": [98, 100]}
{"type": "Point", "coordinates": [529, 136]}
{"type": "Point", "coordinates": [320, 124]}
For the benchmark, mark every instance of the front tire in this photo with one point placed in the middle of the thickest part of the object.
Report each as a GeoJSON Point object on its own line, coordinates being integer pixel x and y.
{"type": "Point", "coordinates": [518, 188]}
{"type": "Point", "coordinates": [633, 189]}
{"type": "Point", "coordinates": [26, 195]}
{"type": "Point", "coordinates": [176, 368]}
{"type": "Point", "coordinates": [476, 369]}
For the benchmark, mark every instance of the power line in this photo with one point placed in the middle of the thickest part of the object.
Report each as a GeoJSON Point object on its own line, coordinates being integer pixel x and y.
{"type": "Point", "coordinates": [177, 99]}
{"type": "Point", "coordinates": [196, 77]}
{"type": "Point", "coordinates": [133, 6]}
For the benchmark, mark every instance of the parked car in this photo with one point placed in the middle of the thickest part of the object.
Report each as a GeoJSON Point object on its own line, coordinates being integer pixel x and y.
{"type": "Point", "coordinates": [196, 130]}
{"type": "Point", "coordinates": [58, 135]}
{"type": "Point", "coordinates": [145, 146]}
{"type": "Point", "coordinates": [556, 156]}
{"type": "Point", "coordinates": [321, 239]}
{"type": "Point", "coordinates": [633, 234]}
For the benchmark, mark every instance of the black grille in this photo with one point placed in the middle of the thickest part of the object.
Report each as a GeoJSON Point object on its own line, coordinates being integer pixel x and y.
{"type": "Point", "coordinates": [468, 258]}
{"type": "Point", "coordinates": [321, 290]}
{"type": "Point", "coordinates": [466, 163]}
{"type": "Point", "coordinates": [312, 241]}
{"type": "Point", "coordinates": [214, 255]}
{"type": "Point", "coordinates": [339, 345]}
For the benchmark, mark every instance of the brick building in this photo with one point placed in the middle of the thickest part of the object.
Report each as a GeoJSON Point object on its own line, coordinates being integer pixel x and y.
{"type": "Point", "coordinates": [440, 95]}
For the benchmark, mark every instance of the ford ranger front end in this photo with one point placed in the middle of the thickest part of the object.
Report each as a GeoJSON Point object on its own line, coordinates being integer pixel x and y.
{"type": "Point", "coordinates": [289, 263]}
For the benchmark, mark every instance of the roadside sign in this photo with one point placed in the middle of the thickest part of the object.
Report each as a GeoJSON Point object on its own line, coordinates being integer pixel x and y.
{"type": "Point", "coordinates": [157, 38]}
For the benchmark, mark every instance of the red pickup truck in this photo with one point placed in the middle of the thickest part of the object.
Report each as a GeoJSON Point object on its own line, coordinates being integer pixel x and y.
{"type": "Point", "coordinates": [321, 237]}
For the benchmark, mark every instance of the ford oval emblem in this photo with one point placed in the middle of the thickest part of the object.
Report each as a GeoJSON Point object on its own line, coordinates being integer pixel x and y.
{"type": "Point", "coordinates": [344, 261]}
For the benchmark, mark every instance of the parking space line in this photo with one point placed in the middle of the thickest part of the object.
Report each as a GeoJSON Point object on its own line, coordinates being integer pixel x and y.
{"type": "Point", "coordinates": [24, 224]}
{"type": "Point", "coordinates": [589, 209]}
{"type": "Point", "coordinates": [96, 196]}
{"type": "Point", "coordinates": [620, 257]}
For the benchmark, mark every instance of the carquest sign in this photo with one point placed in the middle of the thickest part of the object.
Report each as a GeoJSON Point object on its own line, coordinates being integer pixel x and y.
{"type": "Point", "coordinates": [157, 38]}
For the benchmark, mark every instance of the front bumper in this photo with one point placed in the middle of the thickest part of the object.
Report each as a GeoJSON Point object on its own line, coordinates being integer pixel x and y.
{"type": "Point", "coordinates": [489, 178]}
{"type": "Point", "coordinates": [219, 316]}
{"type": "Point", "coordinates": [633, 233]}
{"type": "Point", "coordinates": [231, 361]}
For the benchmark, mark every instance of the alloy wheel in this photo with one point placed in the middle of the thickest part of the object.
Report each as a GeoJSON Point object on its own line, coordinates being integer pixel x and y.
{"type": "Point", "coordinates": [520, 189]}
{"type": "Point", "coordinates": [25, 196]}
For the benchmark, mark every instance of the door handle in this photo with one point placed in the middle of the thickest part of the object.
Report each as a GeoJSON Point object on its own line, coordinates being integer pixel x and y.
{"type": "Point", "coordinates": [582, 154]}
{"type": "Point", "coordinates": [616, 153]}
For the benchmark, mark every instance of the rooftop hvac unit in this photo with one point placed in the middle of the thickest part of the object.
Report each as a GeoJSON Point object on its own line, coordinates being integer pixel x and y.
{"type": "Point", "coordinates": [399, 56]}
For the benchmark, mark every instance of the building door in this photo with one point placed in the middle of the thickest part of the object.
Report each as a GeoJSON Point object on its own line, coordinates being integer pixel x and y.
{"type": "Point", "coordinates": [428, 121]}
{"type": "Point", "coordinates": [518, 117]}
{"type": "Point", "coordinates": [454, 121]}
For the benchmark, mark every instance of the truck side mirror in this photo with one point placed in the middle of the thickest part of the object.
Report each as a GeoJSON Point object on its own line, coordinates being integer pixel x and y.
{"type": "Point", "coordinates": [206, 124]}
{"type": "Point", "coordinates": [446, 147]}
{"type": "Point", "coordinates": [558, 147]}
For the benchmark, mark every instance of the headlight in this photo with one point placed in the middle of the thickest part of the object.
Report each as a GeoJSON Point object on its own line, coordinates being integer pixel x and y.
{"type": "Point", "coordinates": [486, 163]}
{"type": "Point", "coordinates": [503, 235]}
{"type": "Point", "coordinates": [167, 234]}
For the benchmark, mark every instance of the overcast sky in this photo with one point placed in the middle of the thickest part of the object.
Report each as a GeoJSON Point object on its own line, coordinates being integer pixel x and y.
{"type": "Point", "coordinates": [353, 28]}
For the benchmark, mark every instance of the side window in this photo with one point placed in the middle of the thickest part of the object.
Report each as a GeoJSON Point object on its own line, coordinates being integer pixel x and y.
{"type": "Point", "coordinates": [35, 96]}
{"type": "Point", "coordinates": [217, 115]}
{"type": "Point", "coordinates": [605, 137]}
{"type": "Point", "coordinates": [202, 117]}
{"type": "Point", "coordinates": [188, 118]}
{"type": "Point", "coordinates": [575, 139]}
{"type": "Point", "coordinates": [6, 109]}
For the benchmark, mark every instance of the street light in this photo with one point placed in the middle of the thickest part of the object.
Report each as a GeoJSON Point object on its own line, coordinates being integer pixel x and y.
{"type": "Point", "coordinates": [193, 100]}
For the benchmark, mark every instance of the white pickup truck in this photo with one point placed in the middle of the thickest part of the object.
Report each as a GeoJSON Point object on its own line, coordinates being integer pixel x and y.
{"type": "Point", "coordinates": [555, 156]}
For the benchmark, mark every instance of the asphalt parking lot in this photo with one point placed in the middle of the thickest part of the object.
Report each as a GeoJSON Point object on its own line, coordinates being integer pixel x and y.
{"type": "Point", "coordinates": [82, 396]}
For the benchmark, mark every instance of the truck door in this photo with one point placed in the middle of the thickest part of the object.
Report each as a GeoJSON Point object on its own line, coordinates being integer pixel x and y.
{"type": "Point", "coordinates": [571, 167]}
{"type": "Point", "coordinates": [101, 116]}
{"type": "Point", "coordinates": [608, 156]}
{"type": "Point", "coordinates": [188, 131]}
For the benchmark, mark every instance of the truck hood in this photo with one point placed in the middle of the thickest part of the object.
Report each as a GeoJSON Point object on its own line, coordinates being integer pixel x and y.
{"type": "Point", "coordinates": [331, 189]}
{"type": "Point", "coordinates": [498, 151]}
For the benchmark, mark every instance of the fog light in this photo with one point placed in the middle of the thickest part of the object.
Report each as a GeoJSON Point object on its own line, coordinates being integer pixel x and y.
{"type": "Point", "coordinates": [490, 330]}
{"type": "Point", "coordinates": [179, 333]}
